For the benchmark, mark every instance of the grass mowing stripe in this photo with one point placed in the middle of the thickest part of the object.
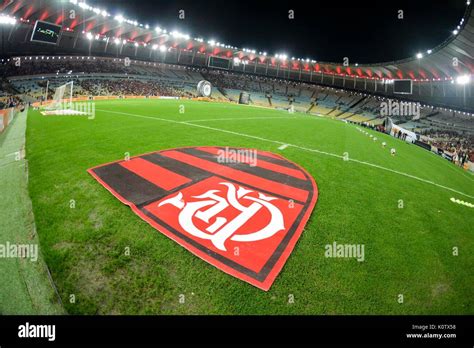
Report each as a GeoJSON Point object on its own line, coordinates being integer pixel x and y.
{"type": "Point", "coordinates": [240, 119]}
{"type": "Point", "coordinates": [295, 146]}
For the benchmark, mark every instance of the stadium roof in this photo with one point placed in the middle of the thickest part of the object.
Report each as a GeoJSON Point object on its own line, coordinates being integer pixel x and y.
{"type": "Point", "coordinates": [448, 61]}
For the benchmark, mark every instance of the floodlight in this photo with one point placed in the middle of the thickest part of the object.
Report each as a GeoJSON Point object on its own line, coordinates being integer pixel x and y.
{"type": "Point", "coordinates": [119, 18]}
{"type": "Point", "coordinates": [463, 79]}
{"type": "Point", "coordinates": [162, 48]}
{"type": "Point", "coordinates": [7, 20]}
{"type": "Point", "coordinates": [419, 55]}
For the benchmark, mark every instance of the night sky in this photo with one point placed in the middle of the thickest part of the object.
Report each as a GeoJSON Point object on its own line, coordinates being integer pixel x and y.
{"type": "Point", "coordinates": [365, 31]}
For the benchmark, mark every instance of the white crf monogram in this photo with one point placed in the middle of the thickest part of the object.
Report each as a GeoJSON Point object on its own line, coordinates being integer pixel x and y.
{"type": "Point", "coordinates": [221, 230]}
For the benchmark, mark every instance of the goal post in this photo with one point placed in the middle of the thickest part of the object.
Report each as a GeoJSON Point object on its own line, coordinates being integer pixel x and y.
{"type": "Point", "coordinates": [62, 99]}
{"type": "Point", "coordinates": [63, 103]}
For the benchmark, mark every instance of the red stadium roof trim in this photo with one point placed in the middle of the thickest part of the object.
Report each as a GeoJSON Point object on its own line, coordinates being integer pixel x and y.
{"type": "Point", "coordinates": [433, 66]}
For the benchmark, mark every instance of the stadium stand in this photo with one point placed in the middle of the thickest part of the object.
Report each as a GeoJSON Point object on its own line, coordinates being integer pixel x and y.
{"type": "Point", "coordinates": [107, 76]}
{"type": "Point", "coordinates": [351, 95]}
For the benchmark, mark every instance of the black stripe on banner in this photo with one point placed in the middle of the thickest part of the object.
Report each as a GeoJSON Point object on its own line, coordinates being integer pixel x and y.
{"type": "Point", "coordinates": [261, 172]}
{"type": "Point", "coordinates": [130, 186]}
{"type": "Point", "coordinates": [186, 170]}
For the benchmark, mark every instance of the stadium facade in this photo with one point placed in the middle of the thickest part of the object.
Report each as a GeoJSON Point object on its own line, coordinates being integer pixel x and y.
{"type": "Point", "coordinates": [438, 75]}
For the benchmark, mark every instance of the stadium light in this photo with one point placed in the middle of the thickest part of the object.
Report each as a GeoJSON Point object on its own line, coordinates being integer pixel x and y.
{"type": "Point", "coordinates": [212, 42]}
{"type": "Point", "coordinates": [463, 79]}
{"type": "Point", "coordinates": [89, 36]}
{"type": "Point", "coordinates": [154, 47]}
{"type": "Point", "coordinates": [455, 32]}
{"type": "Point", "coordinates": [162, 48]}
{"type": "Point", "coordinates": [419, 55]}
{"type": "Point", "coordinates": [179, 35]}
{"type": "Point", "coordinates": [117, 40]}
{"type": "Point", "coordinates": [7, 20]}
{"type": "Point", "coordinates": [119, 18]}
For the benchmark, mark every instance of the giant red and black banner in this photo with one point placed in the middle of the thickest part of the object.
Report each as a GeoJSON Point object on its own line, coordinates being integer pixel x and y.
{"type": "Point", "coordinates": [241, 210]}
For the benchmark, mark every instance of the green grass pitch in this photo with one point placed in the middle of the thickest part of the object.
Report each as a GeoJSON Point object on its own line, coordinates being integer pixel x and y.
{"type": "Point", "coordinates": [398, 207]}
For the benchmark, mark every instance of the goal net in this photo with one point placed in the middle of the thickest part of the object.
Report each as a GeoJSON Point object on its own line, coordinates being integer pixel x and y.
{"type": "Point", "coordinates": [62, 100]}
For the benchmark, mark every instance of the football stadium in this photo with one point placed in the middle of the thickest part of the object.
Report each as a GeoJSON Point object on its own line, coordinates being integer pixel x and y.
{"type": "Point", "coordinates": [150, 171]}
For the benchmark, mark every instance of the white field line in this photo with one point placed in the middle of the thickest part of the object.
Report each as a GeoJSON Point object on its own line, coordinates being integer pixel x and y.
{"type": "Point", "coordinates": [463, 173]}
{"type": "Point", "coordinates": [283, 147]}
{"type": "Point", "coordinates": [295, 146]}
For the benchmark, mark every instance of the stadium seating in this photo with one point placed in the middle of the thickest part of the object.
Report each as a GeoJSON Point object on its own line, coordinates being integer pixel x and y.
{"type": "Point", "coordinates": [96, 76]}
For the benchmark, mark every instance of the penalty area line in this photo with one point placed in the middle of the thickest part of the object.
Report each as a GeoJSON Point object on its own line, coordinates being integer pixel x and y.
{"type": "Point", "coordinates": [295, 146]}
